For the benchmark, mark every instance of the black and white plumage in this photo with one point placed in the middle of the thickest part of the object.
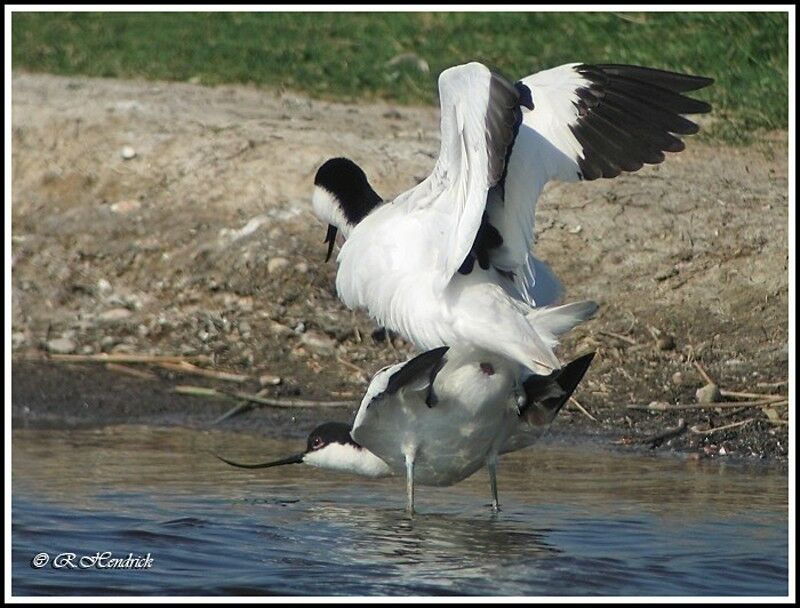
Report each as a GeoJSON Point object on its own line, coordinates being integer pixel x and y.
{"type": "Point", "coordinates": [449, 261]}
{"type": "Point", "coordinates": [439, 417]}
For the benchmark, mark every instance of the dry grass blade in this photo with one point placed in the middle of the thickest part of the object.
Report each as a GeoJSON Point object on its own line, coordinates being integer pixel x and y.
{"type": "Point", "coordinates": [237, 409]}
{"type": "Point", "coordinates": [583, 410]}
{"type": "Point", "coordinates": [704, 373]}
{"type": "Point", "coordinates": [726, 427]}
{"type": "Point", "coordinates": [127, 358]}
{"type": "Point", "coordinates": [742, 395]}
{"type": "Point", "coordinates": [131, 371]}
{"type": "Point", "coordinates": [666, 407]}
{"type": "Point", "coordinates": [611, 334]}
{"type": "Point", "coordinates": [188, 368]}
{"type": "Point", "coordinates": [199, 391]}
{"type": "Point", "coordinates": [269, 402]}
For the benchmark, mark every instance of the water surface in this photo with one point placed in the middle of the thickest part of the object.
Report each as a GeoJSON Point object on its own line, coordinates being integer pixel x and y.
{"type": "Point", "coordinates": [576, 520]}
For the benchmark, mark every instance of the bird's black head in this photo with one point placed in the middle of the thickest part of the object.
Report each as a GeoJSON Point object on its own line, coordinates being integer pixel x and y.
{"type": "Point", "coordinates": [328, 433]}
{"type": "Point", "coordinates": [342, 197]}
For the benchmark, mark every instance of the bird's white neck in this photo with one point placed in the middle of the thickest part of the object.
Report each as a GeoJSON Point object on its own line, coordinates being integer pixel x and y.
{"type": "Point", "coordinates": [328, 209]}
{"type": "Point", "coordinates": [349, 459]}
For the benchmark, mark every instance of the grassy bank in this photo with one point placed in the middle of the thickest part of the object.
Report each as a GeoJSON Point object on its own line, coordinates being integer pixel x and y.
{"type": "Point", "coordinates": [398, 55]}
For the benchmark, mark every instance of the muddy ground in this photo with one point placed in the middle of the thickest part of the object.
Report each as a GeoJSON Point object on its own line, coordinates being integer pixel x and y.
{"type": "Point", "coordinates": [174, 219]}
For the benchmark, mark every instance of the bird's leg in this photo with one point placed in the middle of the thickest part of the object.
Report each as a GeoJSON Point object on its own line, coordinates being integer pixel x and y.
{"type": "Point", "coordinates": [491, 464]}
{"type": "Point", "coordinates": [410, 484]}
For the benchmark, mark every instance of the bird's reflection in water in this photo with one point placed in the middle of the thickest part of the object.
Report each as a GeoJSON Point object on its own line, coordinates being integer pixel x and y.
{"type": "Point", "coordinates": [436, 547]}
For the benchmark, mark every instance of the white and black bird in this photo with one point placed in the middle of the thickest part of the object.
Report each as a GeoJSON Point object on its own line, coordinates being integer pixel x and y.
{"type": "Point", "coordinates": [440, 417]}
{"type": "Point", "coordinates": [449, 261]}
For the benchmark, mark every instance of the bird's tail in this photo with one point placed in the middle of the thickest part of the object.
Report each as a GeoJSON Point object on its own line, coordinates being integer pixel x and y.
{"type": "Point", "coordinates": [552, 322]}
{"type": "Point", "coordinates": [545, 395]}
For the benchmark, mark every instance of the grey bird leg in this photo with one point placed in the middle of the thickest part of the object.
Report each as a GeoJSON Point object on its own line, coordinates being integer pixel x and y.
{"type": "Point", "coordinates": [491, 464]}
{"type": "Point", "coordinates": [410, 484]}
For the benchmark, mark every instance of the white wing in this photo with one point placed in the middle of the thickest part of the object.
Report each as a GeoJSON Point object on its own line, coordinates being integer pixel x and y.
{"type": "Point", "coordinates": [587, 122]}
{"type": "Point", "coordinates": [478, 114]}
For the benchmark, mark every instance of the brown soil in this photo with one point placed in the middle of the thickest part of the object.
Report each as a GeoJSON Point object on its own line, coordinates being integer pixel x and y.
{"type": "Point", "coordinates": [204, 243]}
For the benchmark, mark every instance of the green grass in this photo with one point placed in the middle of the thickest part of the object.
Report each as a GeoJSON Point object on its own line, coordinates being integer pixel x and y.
{"type": "Point", "coordinates": [349, 56]}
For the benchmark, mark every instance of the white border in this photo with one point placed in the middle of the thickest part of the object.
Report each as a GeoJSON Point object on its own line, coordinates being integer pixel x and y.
{"type": "Point", "coordinates": [9, 9]}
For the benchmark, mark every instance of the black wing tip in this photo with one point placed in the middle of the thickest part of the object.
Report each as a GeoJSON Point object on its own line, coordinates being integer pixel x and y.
{"type": "Point", "coordinates": [681, 81]}
{"type": "Point", "coordinates": [429, 362]}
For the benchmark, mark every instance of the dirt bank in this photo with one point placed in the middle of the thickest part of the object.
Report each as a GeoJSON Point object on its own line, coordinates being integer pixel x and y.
{"type": "Point", "coordinates": [175, 219]}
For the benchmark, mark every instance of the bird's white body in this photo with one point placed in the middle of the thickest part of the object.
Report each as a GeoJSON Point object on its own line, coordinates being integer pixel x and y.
{"type": "Point", "coordinates": [449, 261]}
{"type": "Point", "coordinates": [475, 414]}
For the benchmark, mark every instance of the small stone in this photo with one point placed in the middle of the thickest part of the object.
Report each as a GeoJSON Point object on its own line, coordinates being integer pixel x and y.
{"type": "Point", "coordinates": [677, 378]}
{"type": "Point", "coordinates": [128, 152]}
{"type": "Point", "coordinates": [665, 274]}
{"type": "Point", "coordinates": [300, 328]}
{"type": "Point", "coordinates": [107, 343]}
{"type": "Point", "coordinates": [124, 348]}
{"type": "Point", "coordinates": [722, 451]}
{"type": "Point", "coordinates": [708, 394]}
{"type": "Point", "coordinates": [277, 264]}
{"type": "Point", "coordinates": [279, 329]}
{"type": "Point", "coordinates": [18, 339]}
{"type": "Point", "coordinates": [301, 267]}
{"type": "Point", "coordinates": [269, 380]}
{"type": "Point", "coordinates": [666, 342]}
{"type": "Point", "coordinates": [114, 315]}
{"type": "Point", "coordinates": [103, 286]}
{"type": "Point", "coordinates": [61, 346]}
{"type": "Point", "coordinates": [576, 230]}
{"type": "Point", "coordinates": [87, 349]}
{"type": "Point", "coordinates": [318, 342]}
{"type": "Point", "coordinates": [126, 206]}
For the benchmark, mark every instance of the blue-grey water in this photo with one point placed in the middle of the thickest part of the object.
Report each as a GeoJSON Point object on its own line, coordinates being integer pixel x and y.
{"type": "Point", "coordinates": [576, 520]}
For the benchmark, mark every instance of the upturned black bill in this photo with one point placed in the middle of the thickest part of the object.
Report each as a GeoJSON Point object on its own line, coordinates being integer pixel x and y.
{"type": "Point", "coordinates": [296, 459]}
{"type": "Point", "coordinates": [330, 238]}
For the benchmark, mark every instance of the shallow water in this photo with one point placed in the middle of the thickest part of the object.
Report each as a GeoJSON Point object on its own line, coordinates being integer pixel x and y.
{"type": "Point", "coordinates": [576, 520]}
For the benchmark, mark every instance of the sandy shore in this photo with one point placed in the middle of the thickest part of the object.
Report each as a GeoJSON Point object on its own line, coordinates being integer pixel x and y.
{"type": "Point", "coordinates": [174, 219]}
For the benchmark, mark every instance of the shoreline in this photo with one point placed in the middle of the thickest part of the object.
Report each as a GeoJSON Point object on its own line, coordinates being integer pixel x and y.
{"type": "Point", "coordinates": [48, 395]}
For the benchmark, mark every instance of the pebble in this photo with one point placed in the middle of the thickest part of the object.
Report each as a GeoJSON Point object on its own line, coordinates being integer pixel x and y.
{"type": "Point", "coordinates": [299, 328]}
{"type": "Point", "coordinates": [665, 274]}
{"type": "Point", "coordinates": [666, 342]}
{"type": "Point", "coordinates": [301, 267]}
{"type": "Point", "coordinates": [124, 348]}
{"type": "Point", "coordinates": [61, 346]}
{"type": "Point", "coordinates": [279, 329]}
{"type": "Point", "coordinates": [277, 264]}
{"type": "Point", "coordinates": [708, 394]}
{"type": "Point", "coordinates": [114, 315]}
{"type": "Point", "coordinates": [269, 380]}
{"type": "Point", "coordinates": [103, 286]}
{"type": "Point", "coordinates": [318, 342]}
{"type": "Point", "coordinates": [17, 339]}
{"type": "Point", "coordinates": [128, 152]}
{"type": "Point", "coordinates": [107, 343]}
{"type": "Point", "coordinates": [677, 378]}
{"type": "Point", "coordinates": [126, 206]}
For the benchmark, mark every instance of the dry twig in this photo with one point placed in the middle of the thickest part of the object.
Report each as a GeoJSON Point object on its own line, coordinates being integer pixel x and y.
{"type": "Point", "coordinates": [703, 372]}
{"type": "Point", "coordinates": [698, 431]}
{"type": "Point", "coordinates": [581, 408]}
{"type": "Point", "coordinates": [131, 371]}
{"type": "Point", "coordinates": [188, 368]}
